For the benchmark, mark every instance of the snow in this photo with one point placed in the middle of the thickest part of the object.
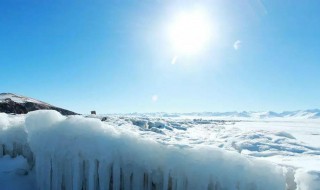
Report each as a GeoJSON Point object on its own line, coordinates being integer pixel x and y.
{"type": "Point", "coordinates": [157, 152]}
{"type": "Point", "coordinates": [18, 99]}
{"type": "Point", "coordinates": [244, 115]}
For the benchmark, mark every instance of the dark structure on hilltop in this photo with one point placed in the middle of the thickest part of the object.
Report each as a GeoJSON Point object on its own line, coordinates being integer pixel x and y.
{"type": "Point", "coordinates": [14, 104]}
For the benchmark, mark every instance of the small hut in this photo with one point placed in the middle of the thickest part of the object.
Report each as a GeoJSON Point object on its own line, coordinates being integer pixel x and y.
{"type": "Point", "coordinates": [93, 113]}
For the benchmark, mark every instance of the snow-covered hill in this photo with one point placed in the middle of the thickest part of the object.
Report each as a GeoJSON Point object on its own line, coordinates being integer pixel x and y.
{"type": "Point", "coordinates": [12, 103]}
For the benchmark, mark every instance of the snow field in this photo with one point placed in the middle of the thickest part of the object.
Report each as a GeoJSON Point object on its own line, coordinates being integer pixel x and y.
{"type": "Point", "coordinates": [141, 153]}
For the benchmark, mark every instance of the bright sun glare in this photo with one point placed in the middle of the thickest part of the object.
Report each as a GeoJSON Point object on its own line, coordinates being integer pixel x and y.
{"type": "Point", "coordinates": [189, 32]}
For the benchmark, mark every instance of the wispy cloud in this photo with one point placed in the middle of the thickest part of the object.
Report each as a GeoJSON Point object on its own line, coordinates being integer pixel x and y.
{"type": "Point", "coordinates": [237, 44]}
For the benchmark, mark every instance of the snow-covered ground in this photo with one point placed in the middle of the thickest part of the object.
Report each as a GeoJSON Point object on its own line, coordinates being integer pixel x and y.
{"type": "Point", "coordinates": [160, 151]}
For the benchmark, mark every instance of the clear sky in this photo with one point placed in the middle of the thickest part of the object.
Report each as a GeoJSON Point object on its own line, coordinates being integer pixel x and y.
{"type": "Point", "coordinates": [116, 56]}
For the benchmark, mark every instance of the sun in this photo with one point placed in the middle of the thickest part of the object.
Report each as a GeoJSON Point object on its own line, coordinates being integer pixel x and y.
{"type": "Point", "coordinates": [189, 32]}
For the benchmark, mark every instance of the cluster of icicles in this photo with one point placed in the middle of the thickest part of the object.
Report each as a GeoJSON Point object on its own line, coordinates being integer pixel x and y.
{"type": "Point", "coordinates": [77, 153]}
{"type": "Point", "coordinates": [95, 175]}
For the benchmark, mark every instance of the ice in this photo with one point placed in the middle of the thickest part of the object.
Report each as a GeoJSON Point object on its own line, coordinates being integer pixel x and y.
{"type": "Point", "coordinates": [151, 152]}
{"type": "Point", "coordinates": [13, 137]}
{"type": "Point", "coordinates": [15, 175]}
{"type": "Point", "coordinates": [87, 153]}
{"type": "Point", "coordinates": [308, 180]}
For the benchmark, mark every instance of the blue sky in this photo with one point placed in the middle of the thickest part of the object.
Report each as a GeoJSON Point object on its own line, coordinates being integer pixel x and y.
{"type": "Point", "coordinates": [115, 56]}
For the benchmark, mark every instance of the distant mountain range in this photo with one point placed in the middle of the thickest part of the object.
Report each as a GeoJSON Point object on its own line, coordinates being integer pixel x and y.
{"type": "Point", "coordinates": [300, 114]}
{"type": "Point", "coordinates": [15, 104]}
{"type": "Point", "coordinates": [307, 114]}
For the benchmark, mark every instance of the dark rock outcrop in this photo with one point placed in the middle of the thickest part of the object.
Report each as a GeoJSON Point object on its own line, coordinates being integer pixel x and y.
{"type": "Point", "coordinates": [9, 106]}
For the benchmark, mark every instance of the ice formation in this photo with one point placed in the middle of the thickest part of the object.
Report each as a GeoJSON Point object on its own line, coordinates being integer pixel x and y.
{"type": "Point", "coordinates": [77, 152]}
{"type": "Point", "coordinates": [83, 153]}
{"type": "Point", "coordinates": [13, 137]}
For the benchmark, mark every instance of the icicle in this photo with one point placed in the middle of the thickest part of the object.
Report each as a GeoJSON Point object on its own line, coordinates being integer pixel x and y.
{"type": "Point", "coordinates": [126, 174]}
{"type": "Point", "coordinates": [56, 174]}
{"type": "Point", "coordinates": [77, 174]}
{"type": "Point", "coordinates": [157, 179]}
{"type": "Point", "coordinates": [181, 182]}
{"type": "Point", "coordinates": [92, 174]}
{"type": "Point", "coordinates": [6, 150]}
{"type": "Point", "coordinates": [149, 177]}
{"type": "Point", "coordinates": [38, 172]}
{"type": "Point", "coordinates": [116, 175]}
{"type": "Point", "coordinates": [26, 152]}
{"type": "Point", "coordinates": [1, 150]}
{"type": "Point", "coordinates": [45, 174]}
{"type": "Point", "coordinates": [68, 175]}
{"type": "Point", "coordinates": [174, 183]}
{"type": "Point", "coordinates": [85, 177]}
{"type": "Point", "coordinates": [166, 176]}
{"type": "Point", "coordinates": [137, 182]}
{"type": "Point", "coordinates": [104, 172]}
{"type": "Point", "coordinates": [145, 180]}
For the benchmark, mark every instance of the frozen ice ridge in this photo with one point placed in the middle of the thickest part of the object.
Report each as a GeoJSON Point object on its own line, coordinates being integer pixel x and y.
{"type": "Point", "coordinates": [151, 153]}
{"type": "Point", "coordinates": [85, 153]}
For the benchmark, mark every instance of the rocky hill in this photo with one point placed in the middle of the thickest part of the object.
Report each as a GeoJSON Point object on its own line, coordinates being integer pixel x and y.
{"type": "Point", "coordinates": [15, 104]}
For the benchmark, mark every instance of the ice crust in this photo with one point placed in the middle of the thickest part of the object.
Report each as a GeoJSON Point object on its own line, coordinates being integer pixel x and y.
{"type": "Point", "coordinates": [77, 152]}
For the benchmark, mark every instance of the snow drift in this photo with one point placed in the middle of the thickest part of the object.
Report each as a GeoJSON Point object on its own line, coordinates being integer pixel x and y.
{"type": "Point", "coordinates": [81, 153]}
